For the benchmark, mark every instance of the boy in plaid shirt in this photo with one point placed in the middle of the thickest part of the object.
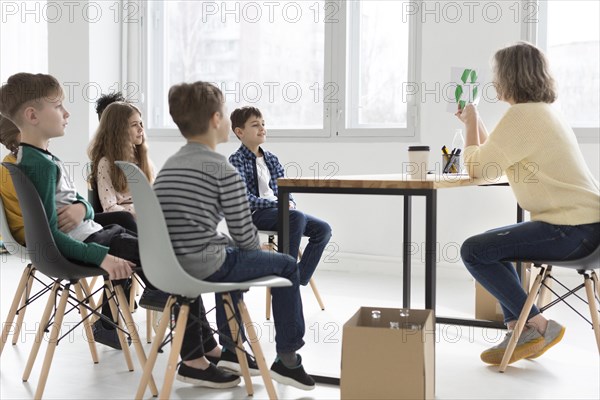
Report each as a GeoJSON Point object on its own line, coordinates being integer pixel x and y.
{"type": "Point", "coordinates": [259, 170]}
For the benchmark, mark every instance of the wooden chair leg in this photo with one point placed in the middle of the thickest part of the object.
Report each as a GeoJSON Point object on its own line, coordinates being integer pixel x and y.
{"type": "Point", "coordinates": [135, 337]}
{"type": "Point", "coordinates": [52, 342]}
{"type": "Point", "coordinates": [158, 338]}
{"type": "Point", "coordinates": [542, 297]}
{"type": "Point", "coordinates": [253, 339]}
{"type": "Point", "coordinates": [313, 286]}
{"type": "Point", "coordinates": [23, 307]}
{"type": "Point", "coordinates": [593, 308]}
{"type": "Point", "coordinates": [268, 306]}
{"type": "Point", "coordinates": [149, 323]}
{"type": "Point", "coordinates": [39, 336]}
{"type": "Point", "coordinates": [109, 290]}
{"type": "Point", "coordinates": [271, 247]}
{"type": "Point", "coordinates": [522, 320]}
{"type": "Point", "coordinates": [175, 350]}
{"type": "Point", "coordinates": [87, 291]}
{"type": "Point", "coordinates": [93, 282]}
{"type": "Point", "coordinates": [132, 294]}
{"type": "Point", "coordinates": [237, 337]}
{"type": "Point", "coordinates": [20, 292]}
{"type": "Point", "coordinates": [98, 304]}
{"type": "Point", "coordinates": [87, 325]}
{"type": "Point", "coordinates": [596, 283]}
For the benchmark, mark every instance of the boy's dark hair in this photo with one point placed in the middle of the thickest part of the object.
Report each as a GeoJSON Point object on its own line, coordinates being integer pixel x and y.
{"type": "Point", "coordinates": [239, 116]}
{"type": "Point", "coordinates": [105, 100]}
{"type": "Point", "coordinates": [24, 90]}
{"type": "Point", "coordinates": [192, 105]}
{"type": "Point", "coordinates": [9, 135]}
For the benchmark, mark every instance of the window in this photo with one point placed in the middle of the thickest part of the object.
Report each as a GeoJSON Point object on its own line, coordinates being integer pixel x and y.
{"type": "Point", "coordinates": [23, 39]}
{"type": "Point", "coordinates": [377, 65]}
{"type": "Point", "coordinates": [315, 68]}
{"type": "Point", "coordinates": [569, 33]}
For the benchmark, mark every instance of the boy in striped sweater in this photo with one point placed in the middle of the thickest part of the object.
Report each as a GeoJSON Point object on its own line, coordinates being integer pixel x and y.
{"type": "Point", "coordinates": [197, 188]}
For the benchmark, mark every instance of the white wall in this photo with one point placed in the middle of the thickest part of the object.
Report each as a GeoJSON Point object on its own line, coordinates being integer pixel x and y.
{"type": "Point", "coordinates": [366, 225]}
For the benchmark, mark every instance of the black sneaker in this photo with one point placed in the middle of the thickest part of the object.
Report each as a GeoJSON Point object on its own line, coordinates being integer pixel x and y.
{"type": "Point", "coordinates": [211, 359]}
{"type": "Point", "coordinates": [107, 336]}
{"type": "Point", "coordinates": [212, 377]}
{"type": "Point", "coordinates": [295, 376]}
{"type": "Point", "coordinates": [154, 299]}
{"type": "Point", "coordinates": [229, 362]}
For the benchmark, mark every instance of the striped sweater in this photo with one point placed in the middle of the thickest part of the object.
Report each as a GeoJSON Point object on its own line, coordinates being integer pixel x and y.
{"type": "Point", "coordinates": [197, 188]}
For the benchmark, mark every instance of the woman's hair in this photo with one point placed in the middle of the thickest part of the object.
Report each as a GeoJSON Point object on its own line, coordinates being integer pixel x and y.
{"type": "Point", "coordinates": [521, 74]}
{"type": "Point", "coordinates": [112, 141]}
{"type": "Point", "coordinates": [9, 135]}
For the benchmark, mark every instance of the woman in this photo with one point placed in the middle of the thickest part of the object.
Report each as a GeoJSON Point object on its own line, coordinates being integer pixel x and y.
{"type": "Point", "coordinates": [536, 148]}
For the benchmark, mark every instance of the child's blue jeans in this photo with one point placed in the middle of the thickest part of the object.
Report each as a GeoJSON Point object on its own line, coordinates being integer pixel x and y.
{"type": "Point", "coordinates": [318, 232]}
{"type": "Point", "coordinates": [244, 265]}
{"type": "Point", "coordinates": [487, 256]}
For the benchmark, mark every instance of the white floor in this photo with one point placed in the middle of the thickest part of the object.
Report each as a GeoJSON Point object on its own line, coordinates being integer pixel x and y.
{"type": "Point", "coordinates": [568, 371]}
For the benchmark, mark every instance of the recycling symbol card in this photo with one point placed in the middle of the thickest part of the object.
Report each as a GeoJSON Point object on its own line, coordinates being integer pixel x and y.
{"type": "Point", "coordinates": [465, 87]}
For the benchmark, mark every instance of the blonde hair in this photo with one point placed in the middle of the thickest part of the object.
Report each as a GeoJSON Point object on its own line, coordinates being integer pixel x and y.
{"type": "Point", "coordinates": [112, 141]}
{"type": "Point", "coordinates": [521, 74]}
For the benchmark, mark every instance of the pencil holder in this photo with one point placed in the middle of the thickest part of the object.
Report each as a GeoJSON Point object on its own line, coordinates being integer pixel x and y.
{"type": "Point", "coordinates": [454, 168]}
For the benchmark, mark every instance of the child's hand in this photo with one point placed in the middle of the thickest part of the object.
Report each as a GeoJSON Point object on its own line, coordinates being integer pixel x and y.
{"type": "Point", "coordinates": [292, 206]}
{"type": "Point", "coordinates": [70, 216]}
{"type": "Point", "coordinates": [117, 267]}
{"type": "Point", "coordinates": [468, 114]}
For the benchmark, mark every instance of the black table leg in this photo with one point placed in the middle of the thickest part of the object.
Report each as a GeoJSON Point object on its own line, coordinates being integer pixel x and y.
{"type": "Point", "coordinates": [406, 252]}
{"type": "Point", "coordinates": [430, 248]}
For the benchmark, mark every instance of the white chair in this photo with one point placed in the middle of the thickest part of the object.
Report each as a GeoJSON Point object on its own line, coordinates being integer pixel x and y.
{"type": "Point", "coordinates": [584, 266]}
{"type": "Point", "coordinates": [163, 270]}
{"type": "Point", "coordinates": [272, 244]}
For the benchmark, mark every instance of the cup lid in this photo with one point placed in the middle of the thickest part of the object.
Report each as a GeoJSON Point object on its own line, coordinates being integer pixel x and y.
{"type": "Point", "coordinates": [418, 148]}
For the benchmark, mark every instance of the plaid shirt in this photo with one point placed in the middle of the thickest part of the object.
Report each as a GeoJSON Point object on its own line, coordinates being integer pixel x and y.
{"type": "Point", "coordinates": [245, 162]}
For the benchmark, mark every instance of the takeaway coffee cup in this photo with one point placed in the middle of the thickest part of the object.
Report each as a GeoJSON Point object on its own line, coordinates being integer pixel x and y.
{"type": "Point", "coordinates": [418, 157]}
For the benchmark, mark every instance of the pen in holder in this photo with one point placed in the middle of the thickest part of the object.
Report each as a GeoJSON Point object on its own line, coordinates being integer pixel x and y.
{"type": "Point", "coordinates": [451, 162]}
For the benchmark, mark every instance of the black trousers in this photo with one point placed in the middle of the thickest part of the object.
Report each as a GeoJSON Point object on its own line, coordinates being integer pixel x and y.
{"type": "Point", "coordinates": [123, 243]}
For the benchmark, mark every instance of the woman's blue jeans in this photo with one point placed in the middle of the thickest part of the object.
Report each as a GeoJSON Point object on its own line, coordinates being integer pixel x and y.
{"type": "Point", "coordinates": [318, 232]}
{"type": "Point", "coordinates": [488, 256]}
{"type": "Point", "coordinates": [244, 265]}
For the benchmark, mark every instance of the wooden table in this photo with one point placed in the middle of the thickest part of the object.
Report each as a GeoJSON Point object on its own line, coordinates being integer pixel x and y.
{"type": "Point", "coordinates": [398, 185]}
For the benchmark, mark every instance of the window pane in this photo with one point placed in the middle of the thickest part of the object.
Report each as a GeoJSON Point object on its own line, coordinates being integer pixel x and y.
{"type": "Point", "coordinates": [24, 40]}
{"type": "Point", "coordinates": [382, 65]}
{"type": "Point", "coordinates": [573, 51]}
{"type": "Point", "coordinates": [266, 54]}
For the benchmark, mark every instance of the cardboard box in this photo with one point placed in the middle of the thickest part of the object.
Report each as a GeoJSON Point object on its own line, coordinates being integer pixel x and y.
{"type": "Point", "coordinates": [487, 307]}
{"type": "Point", "coordinates": [379, 362]}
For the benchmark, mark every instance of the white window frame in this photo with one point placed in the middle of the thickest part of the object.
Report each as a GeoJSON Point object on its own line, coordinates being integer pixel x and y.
{"type": "Point", "coordinates": [334, 124]}
{"type": "Point", "coordinates": [537, 32]}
